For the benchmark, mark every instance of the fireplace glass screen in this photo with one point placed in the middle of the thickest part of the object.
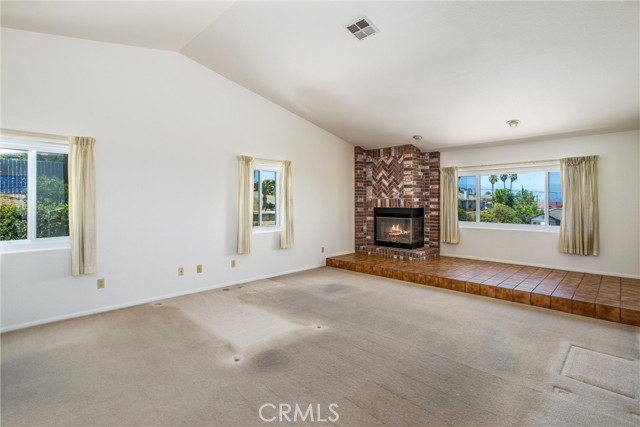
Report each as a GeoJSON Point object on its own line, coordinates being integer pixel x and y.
{"type": "Point", "coordinates": [399, 229]}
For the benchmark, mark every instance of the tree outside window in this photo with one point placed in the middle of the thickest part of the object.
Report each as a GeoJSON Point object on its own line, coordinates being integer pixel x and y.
{"type": "Point", "coordinates": [265, 196]}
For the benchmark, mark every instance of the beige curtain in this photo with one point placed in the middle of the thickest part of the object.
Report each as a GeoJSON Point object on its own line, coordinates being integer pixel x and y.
{"type": "Point", "coordinates": [82, 205]}
{"type": "Point", "coordinates": [245, 203]}
{"type": "Point", "coordinates": [286, 206]}
{"type": "Point", "coordinates": [579, 228]}
{"type": "Point", "coordinates": [449, 205]}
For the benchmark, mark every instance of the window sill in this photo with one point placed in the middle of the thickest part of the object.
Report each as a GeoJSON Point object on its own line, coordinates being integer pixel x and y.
{"type": "Point", "coordinates": [263, 230]}
{"type": "Point", "coordinates": [31, 246]}
{"type": "Point", "coordinates": [510, 227]}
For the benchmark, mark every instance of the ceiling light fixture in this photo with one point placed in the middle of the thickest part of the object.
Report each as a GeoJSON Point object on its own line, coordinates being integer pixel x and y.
{"type": "Point", "coordinates": [417, 137]}
{"type": "Point", "coordinates": [362, 28]}
{"type": "Point", "coordinates": [513, 123]}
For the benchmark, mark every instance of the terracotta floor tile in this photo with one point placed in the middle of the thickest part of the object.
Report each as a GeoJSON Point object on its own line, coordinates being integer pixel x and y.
{"type": "Point", "coordinates": [431, 281]}
{"type": "Point", "coordinates": [541, 300]}
{"type": "Point", "coordinates": [611, 302]}
{"type": "Point", "coordinates": [487, 291]}
{"type": "Point", "coordinates": [522, 297]}
{"type": "Point", "coordinates": [387, 272]}
{"type": "Point", "coordinates": [611, 280]}
{"type": "Point", "coordinates": [583, 308]}
{"type": "Point", "coordinates": [458, 285]}
{"type": "Point", "coordinates": [604, 297]}
{"type": "Point", "coordinates": [630, 301]}
{"type": "Point", "coordinates": [545, 288]}
{"type": "Point", "coordinates": [630, 317]}
{"type": "Point", "coordinates": [564, 295]}
{"type": "Point", "coordinates": [592, 279]}
{"type": "Point", "coordinates": [510, 283]}
{"type": "Point", "coordinates": [472, 288]}
{"type": "Point", "coordinates": [586, 293]}
{"type": "Point", "coordinates": [630, 283]}
{"type": "Point", "coordinates": [409, 277]}
{"type": "Point", "coordinates": [504, 293]}
{"type": "Point", "coordinates": [525, 286]}
{"type": "Point", "coordinates": [565, 290]}
{"type": "Point", "coordinates": [606, 312]}
{"type": "Point", "coordinates": [443, 282]}
{"type": "Point", "coordinates": [610, 290]}
{"type": "Point", "coordinates": [560, 304]}
{"type": "Point", "coordinates": [627, 293]}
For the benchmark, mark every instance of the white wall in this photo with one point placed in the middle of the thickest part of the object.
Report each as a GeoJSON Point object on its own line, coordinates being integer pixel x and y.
{"type": "Point", "coordinates": [168, 131]}
{"type": "Point", "coordinates": [619, 202]}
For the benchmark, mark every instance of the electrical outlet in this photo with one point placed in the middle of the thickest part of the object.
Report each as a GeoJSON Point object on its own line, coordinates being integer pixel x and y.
{"type": "Point", "coordinates": [180, 271]}
{"type": "Point", "coordinates": [322, 249]}
{"type": "Point", "coordinates": [233, 263]}
{"type": "Point", "coordinates": [199, 268]}
{"type": "Point", "coordinates": [100, 283]}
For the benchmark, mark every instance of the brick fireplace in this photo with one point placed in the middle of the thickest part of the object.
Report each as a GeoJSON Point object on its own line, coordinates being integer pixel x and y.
{"type": "Point", "coordinates": [397, 177]}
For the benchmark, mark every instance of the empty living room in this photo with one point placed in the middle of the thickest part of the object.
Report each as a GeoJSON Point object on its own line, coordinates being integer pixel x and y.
{"type": "Point", "coordinates": [307, 213]}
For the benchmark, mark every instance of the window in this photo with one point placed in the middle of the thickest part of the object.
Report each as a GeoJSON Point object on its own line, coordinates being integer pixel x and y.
{"type": "Point", "coordinates": [33, 191]}
{"type": "Point", "coordinates": [467, 192]}
{"type": "Point", "coordinates": [266, 182]}
{"type": "Point", "coordinates": [524, 196]}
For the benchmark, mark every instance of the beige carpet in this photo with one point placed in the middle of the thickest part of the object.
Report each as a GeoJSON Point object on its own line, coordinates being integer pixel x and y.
{"type": "Point", "coordinates": [385, 352]}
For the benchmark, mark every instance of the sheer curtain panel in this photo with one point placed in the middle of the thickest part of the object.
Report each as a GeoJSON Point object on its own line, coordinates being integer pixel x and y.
{"type": "Point", "coordinates": [579, 227]}
{"type": "Point", "coordinates": [245, 203]}
{"type": "Point", "coordinates": [286, 206]}
{"type": "Point", "coordinates": [449, 205]}
{"type": "Point", "coordinates": [82, 205]}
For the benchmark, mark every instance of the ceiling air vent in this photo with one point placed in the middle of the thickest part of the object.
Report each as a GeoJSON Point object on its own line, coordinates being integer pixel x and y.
{"type": "Point", "coordinates": [362, 29]}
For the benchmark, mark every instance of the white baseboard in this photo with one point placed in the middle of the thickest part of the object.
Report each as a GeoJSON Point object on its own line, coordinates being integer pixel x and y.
{"type": "Point", "coordinates": [145, 301]}
{"type": "Point", "coordinates": [556, 267]}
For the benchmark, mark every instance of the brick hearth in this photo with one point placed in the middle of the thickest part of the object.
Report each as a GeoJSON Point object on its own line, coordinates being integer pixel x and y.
{"type": "Point", "coordinates": [397, 177]}
{"type": "Point", "coordinates": [421, 254]}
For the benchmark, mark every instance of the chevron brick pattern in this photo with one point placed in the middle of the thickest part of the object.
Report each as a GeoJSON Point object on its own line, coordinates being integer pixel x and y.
{"type": "Point", "coordinates": [387, 177]}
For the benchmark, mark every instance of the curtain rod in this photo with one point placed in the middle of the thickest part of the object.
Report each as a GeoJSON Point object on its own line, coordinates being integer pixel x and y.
{"type": "Point", "coordinates": [268, 160]}
{"type": "Point", "coordinates": [35, 134]}
{"type": "Point", "coordinates": [532, 162]}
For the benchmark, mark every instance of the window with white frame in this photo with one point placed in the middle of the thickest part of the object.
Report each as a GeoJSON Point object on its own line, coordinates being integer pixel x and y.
{"type": "Point", "coordinates": [33, 192]}
{"type": "Point", "coordinates": [527, 197]}
{"type": "Point", "coordinates": [266, 195]}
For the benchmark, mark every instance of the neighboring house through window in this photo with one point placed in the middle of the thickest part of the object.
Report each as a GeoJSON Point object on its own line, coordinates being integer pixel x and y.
{"type": "Point", "coordinates": [33, 192]}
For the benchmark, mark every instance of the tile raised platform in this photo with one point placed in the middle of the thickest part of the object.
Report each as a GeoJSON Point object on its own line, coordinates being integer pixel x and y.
{"type": "Point", "coordinates": [616, 299]}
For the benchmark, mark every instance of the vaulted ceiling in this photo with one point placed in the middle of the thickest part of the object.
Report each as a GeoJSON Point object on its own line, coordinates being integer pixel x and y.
{"type": "Point", "coordinates": [453, 72]}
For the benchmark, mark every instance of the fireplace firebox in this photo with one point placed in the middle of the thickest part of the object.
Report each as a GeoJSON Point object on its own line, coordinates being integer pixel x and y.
{"type": "Point", "coordinates": [399, 227]}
